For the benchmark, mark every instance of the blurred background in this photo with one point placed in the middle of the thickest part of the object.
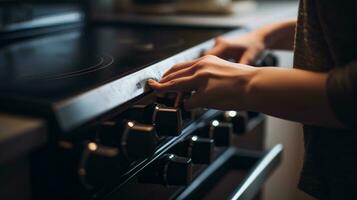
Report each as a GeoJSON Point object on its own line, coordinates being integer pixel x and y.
{"type": "Point", "coordinates": [20, 14]}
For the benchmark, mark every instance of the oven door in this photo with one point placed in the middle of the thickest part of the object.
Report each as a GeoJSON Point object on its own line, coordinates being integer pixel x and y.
{"type": "Point", "coordinates": [259, 166]}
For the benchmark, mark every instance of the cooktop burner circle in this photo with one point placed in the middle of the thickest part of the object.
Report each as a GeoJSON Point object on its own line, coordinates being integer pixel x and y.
{"type": "Point", "coordinates": [102, 61]}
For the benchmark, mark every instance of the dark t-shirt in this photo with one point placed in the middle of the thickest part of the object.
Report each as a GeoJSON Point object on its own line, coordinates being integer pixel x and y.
{"type": "Point", "coordinates": [326, 41]}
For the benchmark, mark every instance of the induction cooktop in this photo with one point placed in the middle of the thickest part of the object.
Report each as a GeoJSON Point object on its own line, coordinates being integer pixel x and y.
{"type": "Point", "coordinates": [75, 76]}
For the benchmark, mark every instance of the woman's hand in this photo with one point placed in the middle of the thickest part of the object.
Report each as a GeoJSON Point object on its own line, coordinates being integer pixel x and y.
{"type": "Point", "coordinates": [292, 94]}
{"type": "Point", "coordinates": [217, 83]}
{"type": "Point", "coordinates": [245, 49]}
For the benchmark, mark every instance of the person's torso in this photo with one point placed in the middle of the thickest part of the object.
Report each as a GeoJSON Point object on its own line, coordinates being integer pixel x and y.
{"type": "Point", "coordinates": [326, 38]}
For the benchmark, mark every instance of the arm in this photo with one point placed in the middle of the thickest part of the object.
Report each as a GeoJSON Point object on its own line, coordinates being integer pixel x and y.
{"type": "Point", "coordinates": [278, 35]}
{"type": "Point", "coordinates": [291, 94]}
{"type": "Point", "coordinates": [323, 99]}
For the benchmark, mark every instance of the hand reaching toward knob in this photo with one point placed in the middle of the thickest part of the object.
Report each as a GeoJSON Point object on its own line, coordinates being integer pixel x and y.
{"type": "Point", "coordinates": [292, 94]}
{"type": "Point", "coordinates": [217, 83]}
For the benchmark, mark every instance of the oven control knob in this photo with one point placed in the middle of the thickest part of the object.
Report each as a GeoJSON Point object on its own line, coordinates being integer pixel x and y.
{"type": "Point", "coordinates": [167, 120]}
{"type": "Point", "coordinates": [98, 164]}
{"type": "Point", "coordinates": [169, 170]}
{"type": "Point", "coordinates": [239, 120]}
{"type": "Point", "coordinates": [200, 150]}
{"type": "Point", "coordinates": [221, 132]}
{"type": "Point", "coordinates": [174, 99]}
{"type": "Point", "coordinates": [142, 113]}
{"type": "Point", "coordinates": [138, 140]}
{"type": "Point", "coordinates": [170, 99]}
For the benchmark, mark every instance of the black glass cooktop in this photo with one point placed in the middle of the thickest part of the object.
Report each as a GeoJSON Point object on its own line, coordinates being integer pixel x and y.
{"type": "Point", "coordinates": [79, 74]}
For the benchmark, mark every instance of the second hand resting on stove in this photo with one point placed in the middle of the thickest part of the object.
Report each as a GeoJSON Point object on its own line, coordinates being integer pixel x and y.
{"type": "Point", "coordinates": [292, 94]}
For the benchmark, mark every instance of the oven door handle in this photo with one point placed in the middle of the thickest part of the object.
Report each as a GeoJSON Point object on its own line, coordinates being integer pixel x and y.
{"type": "Point", "coordinates": [260, 163]}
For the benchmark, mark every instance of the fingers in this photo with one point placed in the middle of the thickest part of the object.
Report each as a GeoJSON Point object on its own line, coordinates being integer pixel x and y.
{"type": "Point", "coordinates": [181, 86]}
{"type": "Point", "coordinates": [184, 69]}
{"type": "Point", "coordinates": [218, 48]}
{"type": "Point", "coordinates": [189, 71]}
{"type": "Point", "coordinates": [248, 57]}
{"type": "Point", "coordinates": [181, 66]}
{"type": "Point", "coordinates": [245, 59]}
{"type": "Point", "coordinates": [184, 84]}
{"type": "Point", "coordinates": [224, 49]}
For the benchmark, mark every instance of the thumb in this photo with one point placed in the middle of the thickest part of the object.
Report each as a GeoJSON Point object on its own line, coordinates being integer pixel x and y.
{"type": "Point", "coordinates": [216, 50]}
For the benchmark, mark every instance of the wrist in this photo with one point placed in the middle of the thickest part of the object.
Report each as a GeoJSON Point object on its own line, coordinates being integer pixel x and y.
{"type": "Point", "coordinates": [250, 84]}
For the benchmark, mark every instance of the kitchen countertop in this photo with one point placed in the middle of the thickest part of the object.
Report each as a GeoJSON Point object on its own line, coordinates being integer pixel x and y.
{"type": "Point", "coordinates": [252, 17]}
{"type": "Point", "coordinates": [19, 135]}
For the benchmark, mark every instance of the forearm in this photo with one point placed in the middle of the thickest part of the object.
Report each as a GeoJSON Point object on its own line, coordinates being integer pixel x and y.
{"type": "Point", "coordinates": [278, 35]}
{"type": "Point", "coordinates": [291, 94]}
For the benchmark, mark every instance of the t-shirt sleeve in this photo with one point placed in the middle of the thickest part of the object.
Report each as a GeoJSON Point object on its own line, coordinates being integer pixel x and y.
{"type": "Point", "coordinates": [342, 93]}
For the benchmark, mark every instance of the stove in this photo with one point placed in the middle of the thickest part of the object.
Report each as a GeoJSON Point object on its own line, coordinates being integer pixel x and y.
{"type": "Point", "coordinates": [109, 135]}
{"type": "Point", "coordinates": [58, 74]}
